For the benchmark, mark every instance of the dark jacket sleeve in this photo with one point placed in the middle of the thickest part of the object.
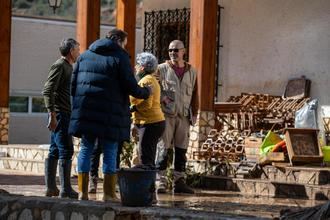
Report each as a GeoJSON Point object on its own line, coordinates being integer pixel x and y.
{"type": "Point", "coordinates": [74, 78]}
{"type": "Point", "coordinates": [51, 86]}
{"type": "Point", "coordinates": [128, 80]}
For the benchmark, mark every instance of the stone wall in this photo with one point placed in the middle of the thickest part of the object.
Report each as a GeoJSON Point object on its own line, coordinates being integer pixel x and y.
{"type": "Point", "coordinates": [35, 208]}
{"type": "Point", "coordinates": [198, 133]}
{"type": "Point", "coordinates": [4, 125]}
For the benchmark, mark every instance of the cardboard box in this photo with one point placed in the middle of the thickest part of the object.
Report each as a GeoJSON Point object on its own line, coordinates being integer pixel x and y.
{"type": "Point", "coordinates": [252, 142]}
{"type": "Point", "coordinates": [252, 157]}
{"type": "Point", "coordinates": [252, 151]}
{"type": "Point", "coordinates": [272, 157]}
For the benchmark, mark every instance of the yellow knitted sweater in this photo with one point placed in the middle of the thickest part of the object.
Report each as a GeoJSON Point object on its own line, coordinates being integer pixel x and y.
{"type": "Point", "coordinates": [149, 110]}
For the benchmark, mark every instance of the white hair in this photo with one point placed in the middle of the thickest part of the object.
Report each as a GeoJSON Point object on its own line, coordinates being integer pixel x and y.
{"type": "Point", "coordinates": [148, 61]}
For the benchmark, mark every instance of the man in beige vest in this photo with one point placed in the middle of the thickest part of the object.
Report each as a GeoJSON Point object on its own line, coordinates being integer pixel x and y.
{"type": "Point", "coordinates": [177, 79]}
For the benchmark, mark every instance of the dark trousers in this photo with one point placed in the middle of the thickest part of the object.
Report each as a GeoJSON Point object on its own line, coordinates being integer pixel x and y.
{"type": "Point", "coordinates": [61, 146]}
{"type": "Point", "coordinates": [95, 159]}
{"type": "Point", "coordinates": [149, 135]}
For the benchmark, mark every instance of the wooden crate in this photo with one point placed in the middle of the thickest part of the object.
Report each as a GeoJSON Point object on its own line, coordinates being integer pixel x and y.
{"type": "Point", "coordinates": [303, 145]}
{"type": "Point", "coordinates": [252, 148]}
{"type": "Point", "coordinates": [272, 157]}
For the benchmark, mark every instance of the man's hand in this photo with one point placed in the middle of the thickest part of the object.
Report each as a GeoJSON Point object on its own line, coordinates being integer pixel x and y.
{"type": "Point", "coordinates": [52, 121]}
{"type": "Point", "coordinates": [193, 120]}
{"type": "Point", "coordinates": [166, 100]}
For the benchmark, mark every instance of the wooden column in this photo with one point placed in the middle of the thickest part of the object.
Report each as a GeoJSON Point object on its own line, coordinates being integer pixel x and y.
{"type": "Point", "coordinates": [88, 22]}
{"type": "Point", "coordinates": [126, 20]}
{"type": "Point", "coordinates": [202, 49]}
{"type": "Point", "coordinates": [5, 33]}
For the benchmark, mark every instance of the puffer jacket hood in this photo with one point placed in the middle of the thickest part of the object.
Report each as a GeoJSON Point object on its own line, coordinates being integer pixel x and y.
{"type": "Point", "coordinates": [104, 46]}
{"type": "Point", "coordinates": [102, 81]}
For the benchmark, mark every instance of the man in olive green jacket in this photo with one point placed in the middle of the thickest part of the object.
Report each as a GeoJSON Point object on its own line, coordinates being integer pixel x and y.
{"type": "Point", "coordinates": [56, 94]}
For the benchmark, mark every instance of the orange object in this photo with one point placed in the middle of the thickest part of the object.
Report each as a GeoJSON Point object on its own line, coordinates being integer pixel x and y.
{"type": "Point", "coordinates": [278, 146]}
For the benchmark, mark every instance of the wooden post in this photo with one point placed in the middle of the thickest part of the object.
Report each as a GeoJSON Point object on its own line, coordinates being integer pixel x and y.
{"type": "Point", "coordinates": [88, 22]}
{"type": "Point", "coordinates": [202, 49]}
{"type": "Point", "coordinates": [126, 20]}
{"type": "Point", "coordinates": [5, 33]}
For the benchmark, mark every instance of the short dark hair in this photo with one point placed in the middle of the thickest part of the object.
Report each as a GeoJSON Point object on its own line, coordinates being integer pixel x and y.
{"type": "Point", "coordinates": [117, 35]}
{"type": "Point", "coordinates": [66, 45]}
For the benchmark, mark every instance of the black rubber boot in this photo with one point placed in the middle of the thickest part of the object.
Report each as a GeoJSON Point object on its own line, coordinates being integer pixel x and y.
{"type": "Point", "coordinates": [50, 177]}
{"type": "Point", "coordinates": [180, 186]}
{"type": "Point", "coordinates": [65, 179]}
{"type": "Point", "coordinates": [180, 160]}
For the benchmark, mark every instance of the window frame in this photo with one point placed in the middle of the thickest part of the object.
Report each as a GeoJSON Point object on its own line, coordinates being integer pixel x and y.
{"type": "Point", "coordinates": [30, 103]}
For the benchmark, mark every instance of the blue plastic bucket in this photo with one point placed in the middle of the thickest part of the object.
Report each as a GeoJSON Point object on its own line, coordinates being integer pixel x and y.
{"type": "Point", "coordinates": [137, 187]}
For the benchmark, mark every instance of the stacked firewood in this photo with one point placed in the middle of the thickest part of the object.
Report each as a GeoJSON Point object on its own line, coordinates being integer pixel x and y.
{"type": "Point", "coordinates": [261, 111]}
{"type": "Point", "coordinates": [256, 112]}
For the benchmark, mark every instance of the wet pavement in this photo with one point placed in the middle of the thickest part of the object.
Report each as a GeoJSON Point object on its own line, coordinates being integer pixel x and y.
{"type": "Point", "coordinates": [222, 202]}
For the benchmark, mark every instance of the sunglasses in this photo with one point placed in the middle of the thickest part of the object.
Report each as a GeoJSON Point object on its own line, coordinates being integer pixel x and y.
{"type": "Point", "coordinates": [175, 50]}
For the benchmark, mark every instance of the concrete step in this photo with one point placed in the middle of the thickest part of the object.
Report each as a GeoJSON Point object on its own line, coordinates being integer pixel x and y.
{"type": "Point", "coordinates": [262, 187]}
{"type": "Point", "coordinates": [31, 158]}
{"type": "Point", "coordinates": [33, 166]}
{"type": "Point", "coordinates": [297, 175]}
{"type": "Point", "coordinates": [312, 175]}
{"type": "Point", "coordinates": [28, 152]}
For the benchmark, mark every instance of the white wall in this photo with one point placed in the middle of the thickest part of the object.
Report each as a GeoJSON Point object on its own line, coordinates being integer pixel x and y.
{"type": "Point", "coordinates": [267, 42]}
{"type": "Point", "coordinates": [34, 47]}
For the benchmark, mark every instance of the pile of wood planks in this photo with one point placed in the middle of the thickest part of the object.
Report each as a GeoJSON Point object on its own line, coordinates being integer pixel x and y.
{"type": "Point", "coordinates": [259, 111]}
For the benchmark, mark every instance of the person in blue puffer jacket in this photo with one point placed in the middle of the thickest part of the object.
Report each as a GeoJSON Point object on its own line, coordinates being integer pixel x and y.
{"type": "Point", "coordinates": [102, 82]}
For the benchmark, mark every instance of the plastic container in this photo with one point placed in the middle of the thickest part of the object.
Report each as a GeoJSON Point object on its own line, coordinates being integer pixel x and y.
{"type": "Point", "coordinates": [137, 187]}
{"type": "Point", "coordinates": [326, 154]}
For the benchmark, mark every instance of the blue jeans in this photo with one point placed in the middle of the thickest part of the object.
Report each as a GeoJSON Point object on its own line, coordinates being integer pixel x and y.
{"type": "Point", "coordinates": [61, 146]}
{"type": "Point", "coordinates": [109, 154]}
{"type": "Point", "coordinates": [95, 158]}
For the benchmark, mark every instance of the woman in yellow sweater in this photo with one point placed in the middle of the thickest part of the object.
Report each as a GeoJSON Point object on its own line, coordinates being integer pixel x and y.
{"type": "Point", "coordinates": [147, 115]}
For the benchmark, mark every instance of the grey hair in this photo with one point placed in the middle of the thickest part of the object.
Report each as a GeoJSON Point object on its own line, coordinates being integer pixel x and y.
{"type": "Point", "coordinates": [148, 61]}
{"type": "Point", "coordinates": [66, 46]}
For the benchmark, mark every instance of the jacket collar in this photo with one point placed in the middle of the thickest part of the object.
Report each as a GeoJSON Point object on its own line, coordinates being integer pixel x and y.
{"type": "Point", "coordinates": [187, 66]}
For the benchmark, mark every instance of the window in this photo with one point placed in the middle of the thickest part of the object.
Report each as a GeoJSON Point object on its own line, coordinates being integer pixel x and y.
{"type": "Point", "coordinates": [18, 104]}
{"type": "Point", "coordinates": [26, 104]}
{"type": "Point", "coordinates": [38, 105]}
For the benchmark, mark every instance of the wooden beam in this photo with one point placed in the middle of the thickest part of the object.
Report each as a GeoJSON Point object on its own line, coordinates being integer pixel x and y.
{"type": "Point", "coordinates": [5, 33]}
{"type": "Point", "coordinates": [202, 49]}
{"type": "Point", "coordinates": [88, 22]}
{"type": "Point", "coordinates": [126, 20]}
